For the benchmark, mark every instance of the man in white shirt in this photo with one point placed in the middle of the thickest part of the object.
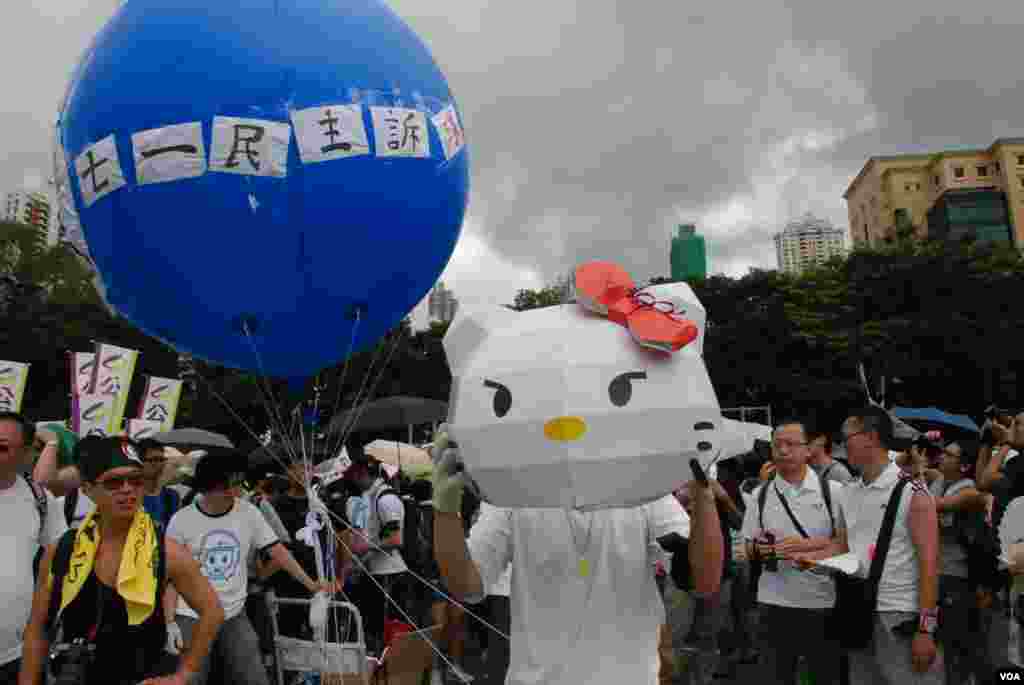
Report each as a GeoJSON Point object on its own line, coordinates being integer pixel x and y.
{"type": "Point", "coordinates": [223, 532]}
{"type": "Point", "coordinates": [27, 528]}
{"type": "Point", "coordinates": [584, 603]}
{"type": "Point", "coordinates": [384, 519]}
{"type": "Point", "coordinates": [903, 648]}
{"type": "Point", "coordinates": [794, 508]}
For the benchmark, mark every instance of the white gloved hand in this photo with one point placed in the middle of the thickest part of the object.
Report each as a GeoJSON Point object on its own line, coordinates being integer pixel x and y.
{"type": "Point", "coordinates": [175, 640]}
{"type": "Point", "coordinates": [449, 481]}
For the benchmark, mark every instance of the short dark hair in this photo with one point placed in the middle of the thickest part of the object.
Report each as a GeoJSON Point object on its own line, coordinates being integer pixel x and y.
{"type": "Point", "coordinates": [791, 421]}
{"type": "Point", "coordinates": [147, 444]}
{"type": "Point", "coordinates": [875, 420]}
{"type": "Point", "coordinates": [28, 429]}
{"type": "Point", "coordinates": [817, 432]}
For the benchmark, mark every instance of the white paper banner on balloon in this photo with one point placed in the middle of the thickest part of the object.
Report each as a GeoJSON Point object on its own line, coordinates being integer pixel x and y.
{"type": "Point", "coordinates": [330, 132]}
{"type": "Point", "coordinates": [13, 376]}
{"type": "Point", "coordinates": [251, 147]}
{"type": "Point", "coordinates": [169, 153]}
{"type": "Point", "coordinates": [400, 132]}
{"type": "Point", "coordinates": [99, 171]}
{"type": "Point", "coordinates": [453, 139]}
{"type": "Point", "coordinates": [94, 414]}
{"type": "Point", "coordinates": [140, 429]}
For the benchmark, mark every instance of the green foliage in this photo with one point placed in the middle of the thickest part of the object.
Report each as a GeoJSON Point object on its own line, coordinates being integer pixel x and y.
{"type": "Point", "coordinates": [942, 317]}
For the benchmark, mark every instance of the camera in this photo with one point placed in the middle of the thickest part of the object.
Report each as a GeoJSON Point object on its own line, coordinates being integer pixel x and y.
{"type": "Point", "coordinates": [70, 662]}
{"type": "Point", "coordinates": [770, 561]}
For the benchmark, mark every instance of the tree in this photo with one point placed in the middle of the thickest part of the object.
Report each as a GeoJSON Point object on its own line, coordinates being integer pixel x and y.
{"type": "Point", "coordinates": [548, 296]}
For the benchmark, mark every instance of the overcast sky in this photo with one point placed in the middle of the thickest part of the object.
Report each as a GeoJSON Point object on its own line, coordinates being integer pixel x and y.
{"type": "Point", "coordinates": [597, 125]}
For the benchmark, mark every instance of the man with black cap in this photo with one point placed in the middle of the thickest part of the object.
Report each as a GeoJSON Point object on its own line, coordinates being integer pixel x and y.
{"type": "Point", "coordinates": [223, 531]}
{"type": "Point", "coordinates": [99, 606]}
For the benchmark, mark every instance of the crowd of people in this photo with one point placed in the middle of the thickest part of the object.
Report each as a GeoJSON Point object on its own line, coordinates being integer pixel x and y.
{"type": "Point", "coordinates": [115, 575]}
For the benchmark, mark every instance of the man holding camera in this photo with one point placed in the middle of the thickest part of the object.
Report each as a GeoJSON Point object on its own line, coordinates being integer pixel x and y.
{"type": "Point", "coordinates": [98, 603]}
{"type": "Point", "coordinates": [791, 515]}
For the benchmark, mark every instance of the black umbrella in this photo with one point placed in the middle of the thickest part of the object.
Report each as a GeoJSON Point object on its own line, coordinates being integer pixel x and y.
{"type": "Point", "coordinates": [390, 412]}
{"type": "Point", "coordinates": [192, 439]}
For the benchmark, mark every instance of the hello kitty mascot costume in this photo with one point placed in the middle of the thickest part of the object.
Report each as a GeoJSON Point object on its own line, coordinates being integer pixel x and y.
{"type": "Point", "coordinates": [577, 422]}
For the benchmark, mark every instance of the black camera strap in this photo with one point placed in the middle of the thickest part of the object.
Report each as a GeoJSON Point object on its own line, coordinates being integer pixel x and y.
{"type": "Point", "coordinates": [825, 495]}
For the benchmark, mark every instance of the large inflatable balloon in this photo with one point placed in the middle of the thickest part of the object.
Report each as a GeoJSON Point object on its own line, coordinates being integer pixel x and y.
{"type": "Point", "coordinates": [591, 405]}
{"type": "Point", "coordinates": [252, 178]}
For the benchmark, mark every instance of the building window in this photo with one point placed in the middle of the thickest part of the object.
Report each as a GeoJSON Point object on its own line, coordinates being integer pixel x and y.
{"type": "Point", "coordinates": [999, 167]}
{"type": "Point", "coordinates": [901, 217]}
{"type": "Point", "coordinates": [908, 188]}
{"type": "Point", "coordinates": [982, 171]}
{"type": "Point", "coordinates": [936, 179]}
{"type": "Point", "coordinates": [958, 172]}
{"type": "Point", "coordinates": [917, 186]}
{"type": "Point", "coordinates": [1021, 179]}
{"type": "Point", "coordinates": [1020, 160]}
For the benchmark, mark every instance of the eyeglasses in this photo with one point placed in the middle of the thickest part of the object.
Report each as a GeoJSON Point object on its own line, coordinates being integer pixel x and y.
{"type": "Point", "coordinates": [117, 483]}
{"type": "Point", "coordinates": [787, 444]}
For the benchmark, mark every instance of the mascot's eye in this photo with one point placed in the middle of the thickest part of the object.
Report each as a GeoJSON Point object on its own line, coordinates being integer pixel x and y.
{"type": "Point", "coordinates": [502, 398]}
{"type": "Point", "coordinates": [620, 390]}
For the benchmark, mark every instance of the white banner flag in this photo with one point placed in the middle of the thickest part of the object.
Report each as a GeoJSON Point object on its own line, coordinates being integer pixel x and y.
{"type": "Point", "coordinates": [140, 429]}
{"type": "Point", "coordinates": [114, 370]}
{"type": "Point", "coordinates": [160, 401]}
{"type": "Point", "coordinates": [94, 414]}
{"type": "Point", "coordinates": [83, 372]}
{"type": "Point", "coordinates": [13, 376]}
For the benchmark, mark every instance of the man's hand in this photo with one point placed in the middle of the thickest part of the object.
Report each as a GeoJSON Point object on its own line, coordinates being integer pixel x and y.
{"type": "Point", "coordinates": [788, 547]}
{"type": "Point", "coordinates": [1001, 434]}
{"type": "Point", "coordinates": [922, 652]}
{"type": "Point", "coordinates": [175, 640]}
{"type": "Point", "coordinates": [45, 436]}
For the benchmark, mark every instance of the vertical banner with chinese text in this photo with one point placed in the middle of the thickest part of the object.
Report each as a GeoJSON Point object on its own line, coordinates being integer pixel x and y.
{"type": "Point", "coordinates": [114, 369]}
{"type": "Point", "coordinates": [160, 401]}
{"type": "Point", "coordinates": [13, 376]}
{"type": "Point", "coordinates": [82, 369]}
{"type": "Point", "coordinates": [94, 414]}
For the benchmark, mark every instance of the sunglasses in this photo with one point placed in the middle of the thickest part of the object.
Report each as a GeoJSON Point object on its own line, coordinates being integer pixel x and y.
{"type": "Point", "coordinates": [116, 484]}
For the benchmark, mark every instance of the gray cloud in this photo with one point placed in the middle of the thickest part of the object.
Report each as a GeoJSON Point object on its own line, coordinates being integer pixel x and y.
{"type": "Point", "coordinates": [596, 126]}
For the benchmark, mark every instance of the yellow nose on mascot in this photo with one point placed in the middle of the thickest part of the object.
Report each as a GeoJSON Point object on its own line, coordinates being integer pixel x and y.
{"type": "Point", "coordinates": [565, 428]}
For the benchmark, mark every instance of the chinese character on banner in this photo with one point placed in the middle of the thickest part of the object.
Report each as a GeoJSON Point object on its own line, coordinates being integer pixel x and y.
{"type": "Point", "coordinates": [83, 372]}
{"type": "Point", "coordinates": [400, 132]}
{"type": "Point", "coordinates": [450, 131]}
{"type": "Point", "coordinates": [94, 414]}
{"type": "Point", "coordinates": [115, 367]}
{"type": "Point", "coordinates": [160, 401]}
{"type": "Point", "coordinates": [140, 429]}
{"type": "Point", "coordinates": [13, 376]}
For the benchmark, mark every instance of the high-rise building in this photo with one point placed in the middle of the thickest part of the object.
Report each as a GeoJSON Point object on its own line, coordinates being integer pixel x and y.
{"type": "Point", "coordinates": [30, 208]}
{"type": "Point", "coordinates": [950, 194]}
{"type": "Point", "coordinates": [689, 256]}
{"type": "Point", "coordinates": [442, 305]}
{"type": "Point", "coordinates": [807, 242]}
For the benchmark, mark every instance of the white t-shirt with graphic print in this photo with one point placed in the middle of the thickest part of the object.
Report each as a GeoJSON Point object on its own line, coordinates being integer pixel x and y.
{"type": "Point", "coordinates": [223, 545]}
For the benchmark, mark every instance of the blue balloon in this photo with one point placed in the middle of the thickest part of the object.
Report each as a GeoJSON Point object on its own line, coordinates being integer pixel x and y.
{"type": "Point", "coordinates": [262, 182]}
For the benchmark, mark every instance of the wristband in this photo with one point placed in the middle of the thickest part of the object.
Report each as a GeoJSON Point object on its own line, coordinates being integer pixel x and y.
{"type": "Point", "coordinates": [928, 621]}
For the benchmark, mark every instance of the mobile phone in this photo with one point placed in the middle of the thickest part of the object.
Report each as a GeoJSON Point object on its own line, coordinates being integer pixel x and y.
{"type": "Point", "coordinates": [698, 472]}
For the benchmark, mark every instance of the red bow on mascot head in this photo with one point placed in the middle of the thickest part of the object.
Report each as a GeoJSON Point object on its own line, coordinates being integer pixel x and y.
{"type": "Point", "coordinates": [606, 289]}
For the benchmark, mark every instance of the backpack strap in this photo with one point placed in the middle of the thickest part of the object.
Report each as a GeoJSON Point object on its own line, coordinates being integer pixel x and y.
{"type": "Point", "coordinates": [762, 496]}
{"type": "Point", "coordinates": [42, 505]}
{"type": "Point", "coordinates": [826, 494]}
{"type": "Point", "coordinates": [70, 506]}
{"type": "Point", "coordinates": [828, 470]}
{"type": "Point", "coordinates": [59, 569]}
{"type": "Point", "coordinates": [885, 535]}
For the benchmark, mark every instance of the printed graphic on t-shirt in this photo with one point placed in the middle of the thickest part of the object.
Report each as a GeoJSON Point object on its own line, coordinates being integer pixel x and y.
{"type": "Point", "coordinates": [220, 555]}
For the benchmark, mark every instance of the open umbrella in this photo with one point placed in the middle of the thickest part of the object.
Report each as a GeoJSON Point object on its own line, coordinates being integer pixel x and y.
{"type": "Point", "coordinates": [192, 439]}
{"type": "Point", "coordinates": [398, 453]}
{"type": "Point", "coordinates": [932, 418]}
{"type": "Point", "coordinates": [390, 412]}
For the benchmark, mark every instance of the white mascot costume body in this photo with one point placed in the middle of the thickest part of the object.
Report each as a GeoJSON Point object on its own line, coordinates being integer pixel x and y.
{"type": "Point", "coordinates": [576, 422]}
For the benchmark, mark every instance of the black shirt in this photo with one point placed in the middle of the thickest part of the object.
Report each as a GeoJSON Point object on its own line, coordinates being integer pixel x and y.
{"type": "Point", "coordinates": [124, 653]}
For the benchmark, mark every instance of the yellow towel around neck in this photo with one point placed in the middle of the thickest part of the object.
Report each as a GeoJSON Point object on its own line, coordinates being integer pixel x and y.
{"type": "Point", "coordinates": [136, 578]}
